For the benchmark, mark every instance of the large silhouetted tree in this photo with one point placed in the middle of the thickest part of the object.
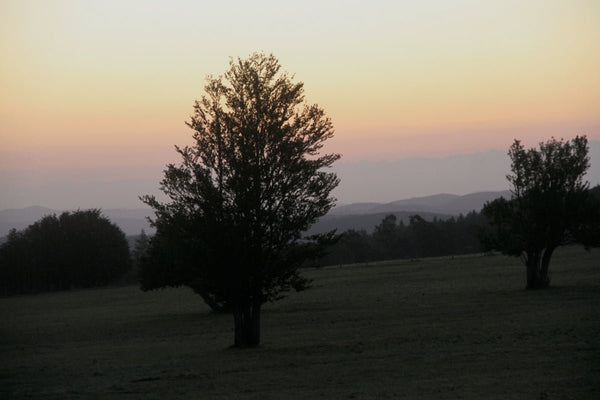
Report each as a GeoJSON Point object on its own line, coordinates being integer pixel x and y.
{"type": "Point", "coordinates": [550, 206]}
{"type": "Point", "coordinates": [247, 188]}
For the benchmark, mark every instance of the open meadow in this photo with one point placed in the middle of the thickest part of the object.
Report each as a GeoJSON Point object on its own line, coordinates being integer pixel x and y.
{"type": "Point", "coordinates": [460, 327]}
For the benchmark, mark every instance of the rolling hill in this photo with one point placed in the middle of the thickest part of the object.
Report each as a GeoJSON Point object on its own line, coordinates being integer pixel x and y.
{"type": "Point", "coordinates": [350, 216]}
{"type": "Point", "coordinates": [443, 203]}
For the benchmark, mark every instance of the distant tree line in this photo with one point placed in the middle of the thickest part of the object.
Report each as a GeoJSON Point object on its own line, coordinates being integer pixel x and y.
{"type": "Point", "coordinates": [81, 249]}
{"type": "Point", "coordinates": [393, 239]}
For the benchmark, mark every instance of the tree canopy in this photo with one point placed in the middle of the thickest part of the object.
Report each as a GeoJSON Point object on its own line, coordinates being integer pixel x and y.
{"type": "Point", "coordinates": [75, 250]}
{"type": "Point", "coordinates": [244, 192]}
{"type": "Point", "coordinates": [551, 205]}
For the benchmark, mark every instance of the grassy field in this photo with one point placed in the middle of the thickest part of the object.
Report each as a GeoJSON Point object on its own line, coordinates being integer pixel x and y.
{"type": "Point", "coordinates": [459, 327]}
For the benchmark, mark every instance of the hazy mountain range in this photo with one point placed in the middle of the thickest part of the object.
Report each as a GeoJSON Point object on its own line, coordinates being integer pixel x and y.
{"type": "Point", "coordinates": [439, 203]}
{"type": "Point", "coordinates": [343, 217]}
{"type": "Point", "coordinates": [368, 215]}
{"type": "Point", "coordinates": [118, 186]}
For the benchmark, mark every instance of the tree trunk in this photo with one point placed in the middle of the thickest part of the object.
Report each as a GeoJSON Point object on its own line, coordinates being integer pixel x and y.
{"type": "Point", "coordinates": [544, 277]}
{"type": "Point", "coordinates": [246, 319]}
{"type": "Point", "coordinates": [256, 323]}
{"type": "Point", "coordinates": [533, 271]}
{"type": "Point", "coordinates": [537, 269]}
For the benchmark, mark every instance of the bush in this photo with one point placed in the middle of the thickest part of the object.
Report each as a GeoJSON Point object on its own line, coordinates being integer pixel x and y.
{"type": "Point", "coordinates": [75, 250]}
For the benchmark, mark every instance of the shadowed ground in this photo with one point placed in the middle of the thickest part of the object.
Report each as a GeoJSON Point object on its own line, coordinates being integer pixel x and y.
{"type": "Point", "coordinates": [432, 328]}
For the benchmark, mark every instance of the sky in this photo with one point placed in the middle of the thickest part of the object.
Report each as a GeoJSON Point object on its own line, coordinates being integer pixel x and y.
{"type": "Point", "coordinates": [94, 94]}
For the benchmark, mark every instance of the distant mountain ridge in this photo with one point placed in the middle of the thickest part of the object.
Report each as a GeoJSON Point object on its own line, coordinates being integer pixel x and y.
{"type": "Point", "coordinates": [368, 215]}
{"type": "Point", "coordinates": [351, 216]}
{"type": "Point", "coordinates": [442, 203]}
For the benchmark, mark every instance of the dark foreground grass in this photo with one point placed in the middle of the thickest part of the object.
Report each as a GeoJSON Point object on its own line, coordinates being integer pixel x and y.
{"type": "Point", "coordinates": [434, 328]}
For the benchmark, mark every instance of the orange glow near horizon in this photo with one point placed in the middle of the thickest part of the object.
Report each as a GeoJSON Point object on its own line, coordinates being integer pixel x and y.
{"type": "Point", "coordinates": [398, 79]}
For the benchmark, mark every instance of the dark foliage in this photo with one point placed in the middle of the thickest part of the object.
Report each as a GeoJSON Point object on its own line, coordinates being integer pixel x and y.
{"type": "Point", "coordinates": [140, 249]}
{"type": "Point", "coordinates": [75, 250]}
{"type": "Point", "coordinates": [173, 259]}
{"type": "Point", "coordinates": [595, 191]}
{"type": "Point", "coordinates": [551, 206]}
{"type": "Point", "coordinates": [138, 245]}
{"type": "Point", "coordinates": [243, 194]}
{"type": "Point", "coordinates": [419, 238]}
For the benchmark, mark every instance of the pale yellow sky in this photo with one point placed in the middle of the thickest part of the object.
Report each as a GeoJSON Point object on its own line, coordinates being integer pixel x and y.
{"type": "Point", "coordinates": [80, 79]}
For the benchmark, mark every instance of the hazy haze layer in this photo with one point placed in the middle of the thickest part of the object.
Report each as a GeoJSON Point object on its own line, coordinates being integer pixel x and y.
{"type": "Point", "coordinates": [118, 186]}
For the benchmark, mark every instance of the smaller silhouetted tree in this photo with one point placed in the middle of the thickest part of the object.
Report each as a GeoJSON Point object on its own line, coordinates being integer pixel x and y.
{"type": "Point", "coordinates": [551, 206]}
{"type": "Point", "coordinates": [75, 250]}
